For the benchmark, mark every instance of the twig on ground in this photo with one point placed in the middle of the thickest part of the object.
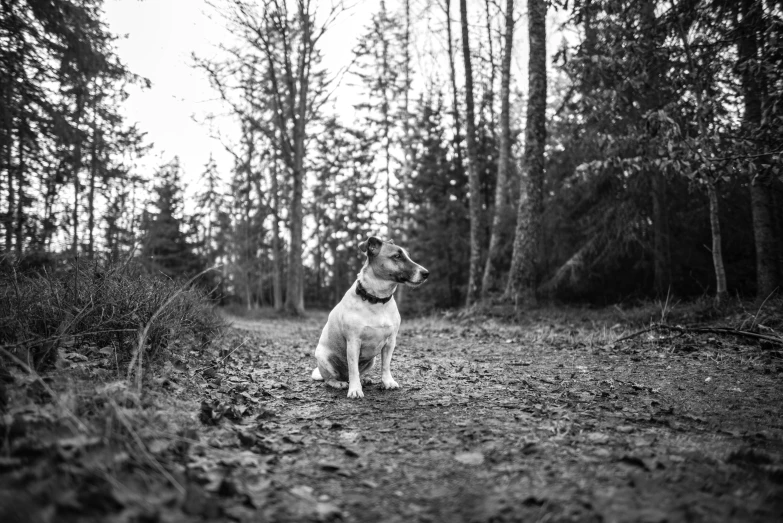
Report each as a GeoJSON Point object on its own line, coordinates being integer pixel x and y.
{"type": "Point", "coordinates": [703, 330]}
{"type": "Point", "coordinates": [224, 358]}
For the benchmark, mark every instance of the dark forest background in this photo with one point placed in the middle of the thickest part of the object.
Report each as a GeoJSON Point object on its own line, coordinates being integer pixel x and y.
{"type": "Point", "coordinates": [638, 157]}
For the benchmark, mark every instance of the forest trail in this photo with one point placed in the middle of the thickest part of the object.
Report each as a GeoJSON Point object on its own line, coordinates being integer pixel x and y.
{"type": "Point", "coordinates": [549, 421]}
{"type": "Point", "coordinates": [504, 423]}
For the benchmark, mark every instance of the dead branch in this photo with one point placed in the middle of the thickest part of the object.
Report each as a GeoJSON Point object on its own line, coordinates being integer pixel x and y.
{"type": "Point", "coordinates": [703, 330]}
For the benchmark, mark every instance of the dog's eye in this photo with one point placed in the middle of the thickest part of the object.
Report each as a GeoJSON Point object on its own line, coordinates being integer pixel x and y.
{"type": "Point", "coordinates": [397, 256]}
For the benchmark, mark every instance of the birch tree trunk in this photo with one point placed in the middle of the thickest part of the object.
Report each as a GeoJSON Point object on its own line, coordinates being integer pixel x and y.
{"type": "Point", "coordinates": [474, 274]}
{"type": "Point", "coordinates": [521, 287]}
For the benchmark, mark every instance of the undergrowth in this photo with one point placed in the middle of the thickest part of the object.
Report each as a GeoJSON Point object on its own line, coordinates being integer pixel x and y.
{"type": "Point", "coordinates": [99, 310]}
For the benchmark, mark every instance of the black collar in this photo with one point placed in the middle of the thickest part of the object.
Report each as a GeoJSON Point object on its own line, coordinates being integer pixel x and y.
{"type": "Point", "coordinates": [366, 296]}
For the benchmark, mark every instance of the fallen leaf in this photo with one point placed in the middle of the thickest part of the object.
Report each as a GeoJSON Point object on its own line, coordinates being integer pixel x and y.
{"type": "Point", "coordinates": [597, 437]}
{"type": "Point", "coordinates": [470, 458]}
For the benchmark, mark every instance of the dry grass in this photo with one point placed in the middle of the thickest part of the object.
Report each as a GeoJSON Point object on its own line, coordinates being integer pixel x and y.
{"type": "Point", "coordinates": [93, 308]}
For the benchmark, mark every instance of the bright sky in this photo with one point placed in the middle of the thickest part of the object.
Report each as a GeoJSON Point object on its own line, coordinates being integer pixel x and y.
{"type": "Point", "coordinates": [157, 40]}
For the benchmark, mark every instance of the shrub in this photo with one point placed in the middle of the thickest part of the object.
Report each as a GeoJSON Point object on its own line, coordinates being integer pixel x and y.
{"type": "Point", "coordinates": [93, 307]}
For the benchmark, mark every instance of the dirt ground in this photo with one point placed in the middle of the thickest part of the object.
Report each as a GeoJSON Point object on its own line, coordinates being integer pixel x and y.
{"type": "Point", "coordinates": [548, 421]}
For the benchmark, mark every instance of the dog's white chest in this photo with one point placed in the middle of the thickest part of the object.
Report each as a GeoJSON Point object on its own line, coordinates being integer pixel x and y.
{"type": "Point", "coordinates": [374, 337]}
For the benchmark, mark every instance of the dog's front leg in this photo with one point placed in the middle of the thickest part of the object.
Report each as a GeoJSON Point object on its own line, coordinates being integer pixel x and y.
{"type": "Point", "coordinates": [386, 355]}
{"type": "Point", "coordinates": [354, 380]}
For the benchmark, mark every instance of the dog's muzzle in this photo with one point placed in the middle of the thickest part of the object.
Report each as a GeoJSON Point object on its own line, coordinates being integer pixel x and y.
{"type": "Point", "coordinates": [422, 277]}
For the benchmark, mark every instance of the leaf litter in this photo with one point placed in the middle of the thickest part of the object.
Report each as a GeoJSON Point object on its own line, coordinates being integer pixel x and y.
{"type": "Point", "coordinates": [494, 422]}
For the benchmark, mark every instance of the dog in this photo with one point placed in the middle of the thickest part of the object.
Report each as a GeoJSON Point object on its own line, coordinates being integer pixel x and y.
{"type": "Point", "coordinates": [365, 322]}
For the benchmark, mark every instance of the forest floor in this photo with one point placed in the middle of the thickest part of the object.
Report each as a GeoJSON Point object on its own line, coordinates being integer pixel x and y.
{"type": "Point", "coordinates": [548, 420]}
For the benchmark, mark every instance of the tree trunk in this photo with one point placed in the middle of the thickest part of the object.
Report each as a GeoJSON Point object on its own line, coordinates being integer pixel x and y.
{"type": "Point", "coordinates": [385, 107]}
{"type": "Point", "coordinates": [295, 293]}
{"type": "Point", "coordinates": [521, 287]}
{"type": "Point", "coordinates": [777, 207]}
{"type": "Point", "coordinates": [474, 274]}
{"type": "Point", "coordinates": [6, 161]}
{"type": "Point", "coordinates": [660, 216]}
{"type": "Point", "coordinates": [407, 166]}
{"type": "Point", "coordinates": [492, 68]}
{"type": "Point", "coordinates": [11, 196]}
{"type": "Point", "coordinates": [454, 98]}
{"type": "Point", "coordinates": [91, 193]}
{"type": "Point", "coordinates": [491, 268]}
{"type": "Point", "coordinates": [294, 302]}
{"type": "Point", "coordinates": [767, 275]}
{"type": "Point", "coordinates": [20, 177]}
{"type": "Point", "coordinates": [77, 166]}
{"type": "Point", "coordinates": [277, 276]}
{"type": "Point", "coordinates": [717, 250]}
{"type": "Point", "coordinates": [661, 251]}
{"type": "Point", "coordinates": [721, 292]}
{"type": "Point", "coordinates": [767, 267]}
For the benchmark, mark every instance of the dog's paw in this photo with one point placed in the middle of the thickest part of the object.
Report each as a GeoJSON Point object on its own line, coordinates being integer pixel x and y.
{"type": "Point", "coordinates": [390, 384]}
{"type": "Point", "coordinates": [367, 381]}
{"type": "Point", "coordinates": [355, 393]}
{"type": "Point", "coordinates": [337, 384]}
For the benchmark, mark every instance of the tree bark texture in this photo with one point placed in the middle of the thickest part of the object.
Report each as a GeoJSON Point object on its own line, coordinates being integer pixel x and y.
{"type": "Point", "coordinates": [661, 246]}
{"type": "Point", "coordinates": [661, 255]}
{"type": "Point", "coordinates": [521, 287]}
{"type": "Point", "coordinates": [491, 268]}
{"type": "Point", "coordinates": [91, 192]}
{"type": "Point", "coordinates": [20, 182]}
{"type": "Point", "coordinates": [721, 292]}
{"type": "Point", "coordinates": [385, 107]}
{"type": "Point", "coordinates": [403, 223]}
{"type": "Point", "coordinates": [77, 167]}
{"type": "Point", "coordinates": [768, 278]}
{"type": "Point", "coordinates": [492, 69]}
{"type": "Point", "coordinates": [277, 266]}
{"type": "Point", "coordinates": [474, 274]}
{"type": "Point", "coordinates": [453, 79]}
{"type": "Point", "coordinates": [295, 295]}
{"type": "Point", "coordinates": [289, 76]}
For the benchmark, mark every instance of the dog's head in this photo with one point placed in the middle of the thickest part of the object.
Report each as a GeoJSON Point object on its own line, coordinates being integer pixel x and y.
{"type": "Point", "coordinates": [392, 263]}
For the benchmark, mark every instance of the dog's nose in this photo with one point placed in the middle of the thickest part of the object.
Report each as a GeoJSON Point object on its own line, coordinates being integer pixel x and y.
{"type": "Point", "coordinates": [425, 274]}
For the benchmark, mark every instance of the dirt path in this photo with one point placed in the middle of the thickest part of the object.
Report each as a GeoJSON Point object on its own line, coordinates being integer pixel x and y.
{"type": "Point", "coordinates": [499, 423]}
{"type": "Point", "coordinates": [547, 422]}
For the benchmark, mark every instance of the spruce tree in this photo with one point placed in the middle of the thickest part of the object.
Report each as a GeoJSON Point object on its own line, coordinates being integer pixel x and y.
{"type": "Point", "coordinates": [165, 247]}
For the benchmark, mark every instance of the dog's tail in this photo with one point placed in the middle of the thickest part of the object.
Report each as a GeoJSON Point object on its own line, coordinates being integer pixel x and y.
{"type": "Point", "coordinates": [316, 375]}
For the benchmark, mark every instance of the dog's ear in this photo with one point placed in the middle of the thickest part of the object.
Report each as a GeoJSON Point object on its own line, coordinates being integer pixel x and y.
{"type": "Point", "coordinates": [372, 246]}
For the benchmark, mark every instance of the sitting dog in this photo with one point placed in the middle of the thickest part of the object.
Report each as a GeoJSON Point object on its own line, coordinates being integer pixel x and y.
{"type": "Point", "coordinates": [366, 321]}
